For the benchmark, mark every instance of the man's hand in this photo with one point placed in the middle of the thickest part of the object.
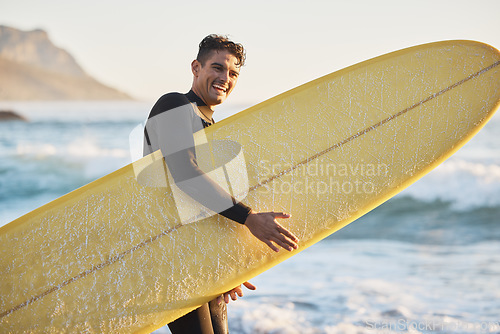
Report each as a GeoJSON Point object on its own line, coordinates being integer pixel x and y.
{"type": "Point", "coordinates": [235, 293]}
{"type": "Point", "coordinates": [263, 226]}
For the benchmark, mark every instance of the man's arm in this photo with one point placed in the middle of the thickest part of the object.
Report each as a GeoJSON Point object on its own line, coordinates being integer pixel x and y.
{"type": "Point", "coordinates": [170, 128]}
{"type": "Point", "coordinates": [172, 132]}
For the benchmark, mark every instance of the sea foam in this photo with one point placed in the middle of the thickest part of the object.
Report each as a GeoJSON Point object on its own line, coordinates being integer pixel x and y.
{"type": "Point", "coordinates": [465, 185]}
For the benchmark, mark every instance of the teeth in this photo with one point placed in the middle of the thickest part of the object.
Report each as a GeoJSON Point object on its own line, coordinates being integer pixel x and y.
{"type": "Point", "coordinates": [220, 87]}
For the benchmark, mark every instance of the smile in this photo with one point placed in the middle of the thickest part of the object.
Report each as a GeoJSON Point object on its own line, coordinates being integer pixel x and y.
{"type": "Point", "coordinates": [220, 87]}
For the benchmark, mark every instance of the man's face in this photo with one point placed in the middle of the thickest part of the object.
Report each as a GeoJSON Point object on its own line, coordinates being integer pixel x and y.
{"type": "Point", "coordinates": [215, 80]}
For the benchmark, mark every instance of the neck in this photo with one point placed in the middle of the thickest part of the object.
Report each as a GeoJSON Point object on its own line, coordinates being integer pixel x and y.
{"type": "Point", "coordinates": [206, 111]}
{"type": "Point", "coordinates": [200, 96]}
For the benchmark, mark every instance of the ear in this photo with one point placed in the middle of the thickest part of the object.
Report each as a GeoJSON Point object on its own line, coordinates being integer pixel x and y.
{"type": "Point", "coordinates": [195, 67]}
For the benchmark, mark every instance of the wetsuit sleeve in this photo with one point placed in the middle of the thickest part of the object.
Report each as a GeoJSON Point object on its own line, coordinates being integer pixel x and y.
{"type": "Point", "coordinates": [172, 132]}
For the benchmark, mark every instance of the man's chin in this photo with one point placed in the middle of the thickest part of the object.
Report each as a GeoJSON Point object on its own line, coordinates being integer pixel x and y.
{"type": "Point", "coordinates": [218, 99]}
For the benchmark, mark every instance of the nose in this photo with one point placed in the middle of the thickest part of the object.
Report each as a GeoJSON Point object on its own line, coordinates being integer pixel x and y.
{"type": "Point", "coordinates": [224, 76]}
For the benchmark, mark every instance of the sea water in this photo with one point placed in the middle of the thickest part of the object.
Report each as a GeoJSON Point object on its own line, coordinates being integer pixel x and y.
{"type": "Point", "coordinates": [427, 261]}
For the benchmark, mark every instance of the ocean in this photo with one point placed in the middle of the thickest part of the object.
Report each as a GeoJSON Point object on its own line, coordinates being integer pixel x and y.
{"type": "Point", "coordinates": [426, 261]}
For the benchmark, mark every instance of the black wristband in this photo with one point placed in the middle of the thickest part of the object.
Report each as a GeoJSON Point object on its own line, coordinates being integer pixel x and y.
{"type": "Point", "coordinates": [238, 212]}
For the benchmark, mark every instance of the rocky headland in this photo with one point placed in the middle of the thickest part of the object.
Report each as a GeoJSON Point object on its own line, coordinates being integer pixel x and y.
{"type": "Point", "coordinates": [33, 68]}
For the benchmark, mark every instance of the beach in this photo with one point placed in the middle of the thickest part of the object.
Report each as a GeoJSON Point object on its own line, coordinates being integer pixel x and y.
{"type": "Point", "coordinates": [426, 261]}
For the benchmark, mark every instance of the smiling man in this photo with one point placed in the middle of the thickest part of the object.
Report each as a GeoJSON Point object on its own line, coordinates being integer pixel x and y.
{"type": "Point", "coordinates": [170, 127]}
{"type": "Point", "coordinates": [215, 74]}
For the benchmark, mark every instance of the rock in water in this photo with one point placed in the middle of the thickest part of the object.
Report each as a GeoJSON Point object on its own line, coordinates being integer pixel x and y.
{"type": "Point", "coordinates": [8, 115]}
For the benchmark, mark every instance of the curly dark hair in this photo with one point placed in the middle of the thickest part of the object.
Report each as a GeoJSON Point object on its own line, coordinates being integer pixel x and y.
{"type": "Point", "coordinates": [217, 42]}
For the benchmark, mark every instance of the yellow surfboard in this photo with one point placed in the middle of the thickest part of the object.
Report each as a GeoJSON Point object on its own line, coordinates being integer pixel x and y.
{"type": "Point", "coordinates": [122, 254]}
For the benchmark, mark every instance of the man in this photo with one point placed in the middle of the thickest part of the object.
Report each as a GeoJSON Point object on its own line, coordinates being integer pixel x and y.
{"type": "Point", "coordinates": [170, 127]}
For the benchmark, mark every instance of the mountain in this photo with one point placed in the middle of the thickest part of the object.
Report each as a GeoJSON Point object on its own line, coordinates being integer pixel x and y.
{"type": "Point", "coordinates": [33, 68]}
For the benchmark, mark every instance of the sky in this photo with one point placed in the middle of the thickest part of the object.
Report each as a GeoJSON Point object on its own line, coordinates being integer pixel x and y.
{"type": "Point", "coordinates": [145, 48]}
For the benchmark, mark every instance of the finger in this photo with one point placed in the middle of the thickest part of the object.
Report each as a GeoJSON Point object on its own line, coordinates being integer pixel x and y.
{"type": "Point", "coordinates": [249, 286]}
{"type": "Point", "coordinates": [270, 244]}
{"type": "Point", "coordinates": [239, 291]}
{"type": "Point", "coordinates": [287, 239]}
{"type": "Point", "coordinates": [290, 245]}
{"type": "Point", "coordinates": [282, 244]}
{"type": "Point", "coordinates": [277, 236]}
{"type": "Point", "coordinates": [226, 297]}
{"type": "Point", "coordinates": [285, 243]}
{"type": "Point", "coordinates": [289, 242]}
{"type": "Point", "coordinates": [233, 295]}
{"type": "Point", "coordinates": [287, 233]}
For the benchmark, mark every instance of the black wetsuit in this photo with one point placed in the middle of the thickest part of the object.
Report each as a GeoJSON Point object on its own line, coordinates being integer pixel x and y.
{"type": "Point", "coordinates": [170, 127]}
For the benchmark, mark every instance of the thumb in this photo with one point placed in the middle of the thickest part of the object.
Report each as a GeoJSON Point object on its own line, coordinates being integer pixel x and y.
{"type": "Point", "coordinates": [281, 215]}
{"type": "Point", "coordinates": [249, 286]}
